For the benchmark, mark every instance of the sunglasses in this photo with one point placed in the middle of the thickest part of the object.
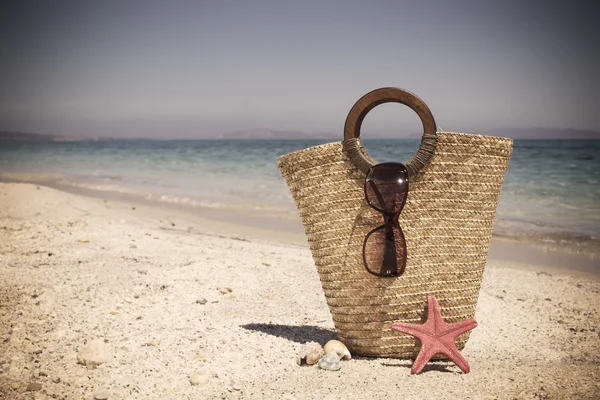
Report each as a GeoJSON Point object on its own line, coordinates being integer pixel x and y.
{"type": "Point", "coordinates": [384, 248]}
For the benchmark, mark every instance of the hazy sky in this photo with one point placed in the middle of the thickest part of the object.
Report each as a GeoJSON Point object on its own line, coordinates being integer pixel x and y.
{"type": "Point", "coordinates": [191, 69]}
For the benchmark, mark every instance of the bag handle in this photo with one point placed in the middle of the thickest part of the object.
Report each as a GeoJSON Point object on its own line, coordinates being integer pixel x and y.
{"type": "Point", "coordinates": [361, 108]}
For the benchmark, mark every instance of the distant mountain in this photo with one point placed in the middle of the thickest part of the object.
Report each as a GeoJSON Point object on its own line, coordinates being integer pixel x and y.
{"type": "Point", "coordinates": [30, 137]}
{"type": "Point", "coordinates": [264, 134]}
{"type": "Point", "coordinates": [544, 133]}
{"type": "Point", "coordinates": [391, 135]}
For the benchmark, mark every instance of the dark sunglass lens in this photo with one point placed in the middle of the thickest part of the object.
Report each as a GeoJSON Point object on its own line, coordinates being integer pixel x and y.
{"type": "Point", "coordinates": [386, 187]}
{"type": "Point", "coordinates": [384, 252]}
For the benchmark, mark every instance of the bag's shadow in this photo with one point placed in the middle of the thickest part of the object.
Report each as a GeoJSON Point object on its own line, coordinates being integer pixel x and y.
{"type": "Point", "coordinates": [298, 334]}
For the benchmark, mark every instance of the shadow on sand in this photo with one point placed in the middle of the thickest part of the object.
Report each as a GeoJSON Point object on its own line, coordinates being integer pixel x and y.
{"type": "Point", "coordinates": [298, 334]}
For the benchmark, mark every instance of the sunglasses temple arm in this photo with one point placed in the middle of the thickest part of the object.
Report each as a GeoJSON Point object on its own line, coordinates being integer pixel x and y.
{"type": "Point", "coordinates": [389, 257]}
{"type": "Point", "coordinates": [378, 194]}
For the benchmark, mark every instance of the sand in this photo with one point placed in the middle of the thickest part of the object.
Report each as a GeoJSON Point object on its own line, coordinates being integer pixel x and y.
{"type": "Point", "coordinates": [171, 295]}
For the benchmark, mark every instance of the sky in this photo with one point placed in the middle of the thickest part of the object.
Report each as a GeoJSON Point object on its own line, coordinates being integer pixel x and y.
{"type": "Point", "coordinates": [192, 69]}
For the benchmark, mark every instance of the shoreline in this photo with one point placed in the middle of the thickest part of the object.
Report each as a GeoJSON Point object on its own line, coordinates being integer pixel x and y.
{"type": "Point", "coordinates": [257, 224]}
{"type": "Point", "coordinates": [284, 218]}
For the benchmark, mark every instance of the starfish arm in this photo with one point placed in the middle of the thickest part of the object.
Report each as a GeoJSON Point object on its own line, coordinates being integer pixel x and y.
{"type": "Point", "coordinates": [459, 328]}
{"type": "Point", "coordinates": [434, 312]}
{"type": "Point", "coordinates": [411, 329]}
{"type": "Point", "coordinates": [440, 326]}
{"type": "Point", "coordinates": [425, 354]}
{"type": "Point", "coordinates": [458, 359]}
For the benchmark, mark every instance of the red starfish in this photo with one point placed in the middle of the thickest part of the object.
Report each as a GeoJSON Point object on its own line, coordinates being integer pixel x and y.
{"type": "Point", "coordinates": [436, 337]}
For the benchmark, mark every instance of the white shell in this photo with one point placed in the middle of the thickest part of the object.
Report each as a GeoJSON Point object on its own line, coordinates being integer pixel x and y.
{"type": "Point", "coordinates": [340, 348]}
{"type": "Point", "coordinates": [310, 354]}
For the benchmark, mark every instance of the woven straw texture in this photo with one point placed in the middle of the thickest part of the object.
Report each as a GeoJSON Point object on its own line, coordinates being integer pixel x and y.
{"type": "Point", "coordinates": [447, 222]}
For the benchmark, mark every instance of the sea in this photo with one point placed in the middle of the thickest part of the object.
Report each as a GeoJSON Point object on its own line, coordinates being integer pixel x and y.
{"type": "Point", "coordinates": [551, 192]}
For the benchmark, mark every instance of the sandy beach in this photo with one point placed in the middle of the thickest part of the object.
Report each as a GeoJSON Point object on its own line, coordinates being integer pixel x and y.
{"type": "Point", "coordinates": [171, 294]}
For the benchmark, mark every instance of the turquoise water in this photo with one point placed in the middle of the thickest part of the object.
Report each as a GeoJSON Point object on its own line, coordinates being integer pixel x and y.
{"type": "Point", "coordinates": [552, 188]}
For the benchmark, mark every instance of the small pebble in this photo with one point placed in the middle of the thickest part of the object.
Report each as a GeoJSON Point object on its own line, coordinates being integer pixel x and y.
{"type": "Point", "coordinates": [225, 290]}
{"type": "Point", "coordinates": [42, 373]}
{"type": "Point", "coordinates": [199, 379]}
{"type": "Point", "coordinates": [34, 387]}
{"type": "Point", "coordinates": [15, 385]}
{"type": "Point", "coordinates": [102, 395]}
{"type": "Point", "coordinates": [201, 301]}
{"type": "Point", "coordinates": [56, 380]}
{"type": "Point", "coordinates": [94, 353]}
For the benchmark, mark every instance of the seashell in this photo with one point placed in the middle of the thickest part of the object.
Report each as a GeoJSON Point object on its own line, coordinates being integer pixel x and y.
{"type": "Point", "coordinates": [339, 347]}
{"type": "Point", "coordinates": [330, 362]}
{"type": "Point", "coordinates": [310, 354]}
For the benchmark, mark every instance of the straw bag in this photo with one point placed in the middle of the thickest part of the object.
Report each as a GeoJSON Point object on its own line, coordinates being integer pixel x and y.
{"type": "Point", "coordinates": [455, 181]}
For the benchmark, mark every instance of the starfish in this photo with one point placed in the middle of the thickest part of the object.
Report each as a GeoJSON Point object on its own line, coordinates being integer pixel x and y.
{"type": "Point", "coordinates": [436, 337]}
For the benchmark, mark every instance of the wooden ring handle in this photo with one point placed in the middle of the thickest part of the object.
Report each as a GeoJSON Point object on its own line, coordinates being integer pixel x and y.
{"type": "Point", "coordinates": [386, 95]}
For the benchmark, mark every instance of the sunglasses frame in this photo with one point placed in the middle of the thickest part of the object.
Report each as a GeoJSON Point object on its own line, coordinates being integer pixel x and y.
{"type": "Point", "coordinates": [390, 219]}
